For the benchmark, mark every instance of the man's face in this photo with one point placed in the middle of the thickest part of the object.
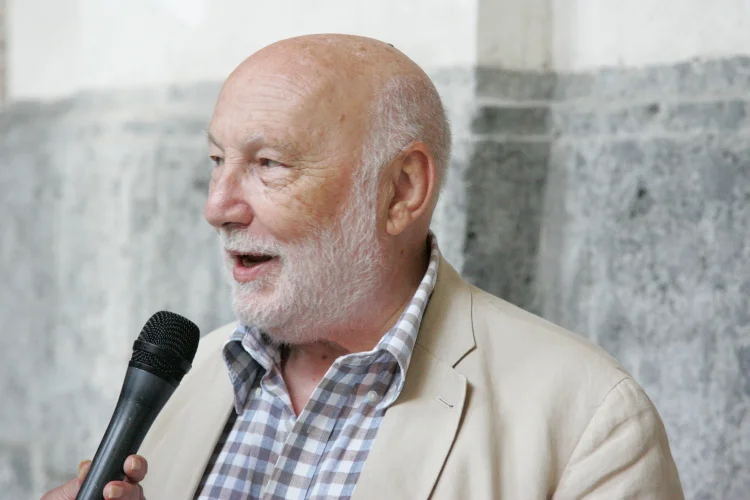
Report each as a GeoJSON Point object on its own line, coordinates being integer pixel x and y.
{"type": "Point", "coordinates": [297, 223]}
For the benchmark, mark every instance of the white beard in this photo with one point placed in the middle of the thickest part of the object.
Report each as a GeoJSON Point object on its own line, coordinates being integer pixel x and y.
{"type": "Point", "coordinates": [321, 282]}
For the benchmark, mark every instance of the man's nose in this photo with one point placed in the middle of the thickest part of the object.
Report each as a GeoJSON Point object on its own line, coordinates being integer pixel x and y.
{"type": "Point", "coordinates": [227, 201]}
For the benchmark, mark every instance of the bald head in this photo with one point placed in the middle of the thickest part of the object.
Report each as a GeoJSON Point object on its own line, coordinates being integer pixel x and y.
{"type": "Point", "coordinates": [380, 96]}
{"type": "Point", "coordinates": [342, 55]}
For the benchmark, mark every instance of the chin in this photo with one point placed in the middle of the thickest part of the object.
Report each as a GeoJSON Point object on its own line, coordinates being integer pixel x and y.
{"type": "Point", "coordinates": [280, 329]}
{"type": "Point", "coordinates": [262, 311]}
{"type": "Point", "coordinates": [282, 321]}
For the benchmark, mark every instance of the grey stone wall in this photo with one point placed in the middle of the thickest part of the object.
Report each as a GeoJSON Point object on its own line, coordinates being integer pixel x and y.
{"type": "Point", "coordinates": [101, 208]}
{"type": "Point", "coordinates": [614, 203]}
{"type": "Point", "coordinates": [618, 205]}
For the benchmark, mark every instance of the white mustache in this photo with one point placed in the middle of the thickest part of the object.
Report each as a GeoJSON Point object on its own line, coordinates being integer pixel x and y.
{"type": "Point", "coordinates": [243, 242]}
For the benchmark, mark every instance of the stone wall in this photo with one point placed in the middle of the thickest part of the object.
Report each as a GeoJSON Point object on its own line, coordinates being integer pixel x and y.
{"type": "Point", "coordinates": [614, 203]}
{"type": "Point", "coordinates": [102, 226]}
{"type": "Point", "coordinates": [619, 207]}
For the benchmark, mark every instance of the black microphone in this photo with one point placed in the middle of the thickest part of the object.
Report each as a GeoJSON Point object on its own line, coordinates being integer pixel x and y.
{"type": "Point", "coordinates": [161, 357]}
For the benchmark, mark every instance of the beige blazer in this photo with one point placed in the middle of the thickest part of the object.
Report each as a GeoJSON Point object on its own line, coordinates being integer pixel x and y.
{"type": "Point", "coordinates": [497, 404]}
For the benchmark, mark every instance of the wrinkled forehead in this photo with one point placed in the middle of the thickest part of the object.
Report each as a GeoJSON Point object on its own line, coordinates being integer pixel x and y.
{"type": "Point", "coordinates": [310, 109]}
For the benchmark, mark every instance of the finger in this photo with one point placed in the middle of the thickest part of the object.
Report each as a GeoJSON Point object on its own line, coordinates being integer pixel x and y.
{"type": "Point", "coordinates": [120, 490]}
{"type": "Point", "coordinates": [135, 468]}
{"type": "Point", "coordinates": [83, 469]}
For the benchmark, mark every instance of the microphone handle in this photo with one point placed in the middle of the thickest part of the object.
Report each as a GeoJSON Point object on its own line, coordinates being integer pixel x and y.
{"type": "Point", "coordinates": [142, 397]}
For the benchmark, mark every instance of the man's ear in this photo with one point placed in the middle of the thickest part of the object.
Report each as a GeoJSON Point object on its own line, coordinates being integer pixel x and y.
{"type": "Point", "coordinates": [412, 180]}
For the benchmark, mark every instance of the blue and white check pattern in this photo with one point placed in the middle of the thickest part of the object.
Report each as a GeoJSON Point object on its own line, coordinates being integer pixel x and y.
{"type": "Point", "coordinates": [265, 452]}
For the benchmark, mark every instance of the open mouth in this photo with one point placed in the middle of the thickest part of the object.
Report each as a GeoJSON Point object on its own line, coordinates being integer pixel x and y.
{"type": "Point", "coordinates": [251, 260]}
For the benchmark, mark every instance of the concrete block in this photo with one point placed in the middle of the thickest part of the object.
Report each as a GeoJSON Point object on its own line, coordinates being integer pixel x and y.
{"type": "Point", "coordinates": [511, 120]}
{"type": "Point", "coordinates": [720, 116]}
{"type": "Point", "coordinates": [654, 118]}
{"type": "Point", "coordinates": [505, 186]}
{"type": "Point", "coordinates": [514, 85]}
{"type": "Point", "coordinates": [688, 80]}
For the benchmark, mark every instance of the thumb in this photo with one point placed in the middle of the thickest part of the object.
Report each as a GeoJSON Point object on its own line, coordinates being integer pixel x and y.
{"type": "Point", "coordinates": [70, 489]}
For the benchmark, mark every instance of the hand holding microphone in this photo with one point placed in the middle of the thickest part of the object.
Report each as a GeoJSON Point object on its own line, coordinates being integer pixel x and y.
{"type": "Point", "coordinates": [161, 357]}
{"type": "Point", "coordinates": [135, 468]}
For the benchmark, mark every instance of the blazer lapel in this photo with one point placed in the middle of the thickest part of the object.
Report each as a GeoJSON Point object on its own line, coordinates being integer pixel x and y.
{"type": "Point", "coordinates": [205, 416]}
{"type": "Point", "coordinates": [417, 432]}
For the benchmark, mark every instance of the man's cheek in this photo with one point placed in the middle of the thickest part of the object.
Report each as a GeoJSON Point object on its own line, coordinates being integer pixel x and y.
{"type": "Point", "coordinates": [297, 212]}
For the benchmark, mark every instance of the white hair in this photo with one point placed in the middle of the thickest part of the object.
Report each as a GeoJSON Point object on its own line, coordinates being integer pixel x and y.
{"type": "Point", "coordinates": [407, 109]}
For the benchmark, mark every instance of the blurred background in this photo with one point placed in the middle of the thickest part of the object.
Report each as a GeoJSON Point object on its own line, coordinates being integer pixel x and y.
{"type": "Point", "coordinates": [601, 179]}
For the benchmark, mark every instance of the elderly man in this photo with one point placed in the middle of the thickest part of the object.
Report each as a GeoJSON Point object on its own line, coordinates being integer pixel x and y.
{"type": "Point", "coordinates": [362, 365]}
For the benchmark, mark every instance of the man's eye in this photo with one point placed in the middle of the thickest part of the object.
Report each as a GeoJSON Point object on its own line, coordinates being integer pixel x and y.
{"type": "Point", "coordinates": [217, 160]}
{"type": "Point", "coordinates": [265, 162]}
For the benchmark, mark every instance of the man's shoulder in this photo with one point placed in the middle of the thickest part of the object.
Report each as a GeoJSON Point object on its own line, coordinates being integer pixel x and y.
{"type": "Point", "coordinates": [518, 345]}
{"type": "Point", "coordinates": [561, 406]}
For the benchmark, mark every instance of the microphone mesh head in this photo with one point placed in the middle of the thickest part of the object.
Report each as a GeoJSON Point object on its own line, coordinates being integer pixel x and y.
{"type": "Point", "coordinates": [172, 332]}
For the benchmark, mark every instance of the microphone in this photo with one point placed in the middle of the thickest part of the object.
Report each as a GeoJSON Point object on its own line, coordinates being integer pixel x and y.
{"type": "Point", "coordinates": [162, 355]}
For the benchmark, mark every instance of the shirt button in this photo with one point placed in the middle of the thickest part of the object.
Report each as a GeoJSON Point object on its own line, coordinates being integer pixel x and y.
{"type": "Point", "coordinates": [372, 397]}
{"type": "Point", "coordinates": [289, 425]}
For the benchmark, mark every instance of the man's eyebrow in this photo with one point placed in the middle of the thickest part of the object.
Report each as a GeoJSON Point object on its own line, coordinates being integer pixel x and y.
{"type": "Point", "coordinates": [213, 139]}
{"type": "Point", "coordinates": [255, 142]}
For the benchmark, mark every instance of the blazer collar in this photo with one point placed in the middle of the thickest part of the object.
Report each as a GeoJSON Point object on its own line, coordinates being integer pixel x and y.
{"type": "Point", "coordinates": [447, 331]}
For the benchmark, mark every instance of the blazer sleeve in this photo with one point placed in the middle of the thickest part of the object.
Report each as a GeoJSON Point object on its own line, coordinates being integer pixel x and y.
{"type": "Point", "coordinates": [623, 453]}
